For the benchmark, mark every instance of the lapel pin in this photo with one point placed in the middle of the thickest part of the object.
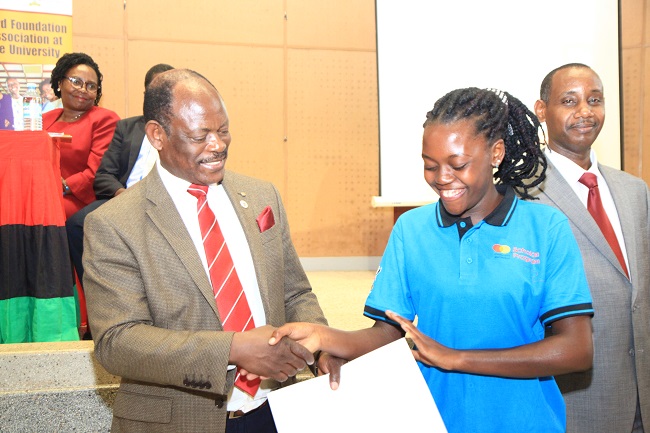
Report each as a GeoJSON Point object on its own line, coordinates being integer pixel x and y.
{"type": "Point", "coordinates": [243, 204]}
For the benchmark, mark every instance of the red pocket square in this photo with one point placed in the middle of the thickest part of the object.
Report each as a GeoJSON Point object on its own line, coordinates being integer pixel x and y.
{"type": "Point", "coordinates": [265, 220]}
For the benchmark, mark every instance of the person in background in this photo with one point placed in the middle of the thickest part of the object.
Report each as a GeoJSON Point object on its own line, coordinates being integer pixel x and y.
{"type": "Point", "coordinates": [11, 106]}
{"type": "Point", "coordinates": [78, 82]}
{"type": "Point", "coordinates": [49, 100]}
{"type": "Point", "coordinates": [614, 396]}
{"type": "Point", "coordinates": [151, 281]}
{"type": "Point", "coordinates": [127, 160]}
{"type": "Point", "coordinates": [6, 113]}
{"type": "Point", "coordinates": [484, 273]}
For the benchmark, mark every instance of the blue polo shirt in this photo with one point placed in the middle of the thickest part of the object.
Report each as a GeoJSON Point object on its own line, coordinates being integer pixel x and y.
{"type": "Point", "coordinates": [496, 284]}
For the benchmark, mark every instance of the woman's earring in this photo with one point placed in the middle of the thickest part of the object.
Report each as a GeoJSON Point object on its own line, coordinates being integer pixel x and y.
{"type": "Point", "coordinates": [496, 164]}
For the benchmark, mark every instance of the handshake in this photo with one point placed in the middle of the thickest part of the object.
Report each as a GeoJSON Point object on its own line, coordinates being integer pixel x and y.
{"type": "Point", "coordinates": [280, 353]}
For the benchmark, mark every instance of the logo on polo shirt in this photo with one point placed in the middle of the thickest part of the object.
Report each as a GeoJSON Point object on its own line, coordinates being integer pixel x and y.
{"type": "Point", "coordinates": [523, 254]}
{"type": "Point", "coordinates": [501, 249]}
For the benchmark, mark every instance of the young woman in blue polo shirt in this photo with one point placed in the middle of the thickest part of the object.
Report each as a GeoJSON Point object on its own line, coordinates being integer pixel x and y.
{"type": "Point", "coordinates": [496, 283]}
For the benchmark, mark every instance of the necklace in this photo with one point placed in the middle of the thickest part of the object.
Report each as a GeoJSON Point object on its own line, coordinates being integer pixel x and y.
{"type": "Point", "coordinates": [72, 119]}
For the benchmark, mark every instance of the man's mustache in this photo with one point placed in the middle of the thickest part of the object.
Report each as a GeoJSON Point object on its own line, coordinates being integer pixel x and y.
{"type": "Point", "coordinates": [584, 123]}
{"type": "Point", "coordinates": [216, 156]}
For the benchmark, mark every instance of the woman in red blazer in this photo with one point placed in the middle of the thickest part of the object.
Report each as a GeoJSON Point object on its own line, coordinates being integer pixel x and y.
{"type": "Point", "coordinates": [76, 79]}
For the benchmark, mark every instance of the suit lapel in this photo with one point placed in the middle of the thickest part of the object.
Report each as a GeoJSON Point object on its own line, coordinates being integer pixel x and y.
{"type": "Point", "coordinates": [561, 194]}
{"type": "Point", "coordinates": [625, 215]}
{"type": "Point", "coordinates": [162, 211]}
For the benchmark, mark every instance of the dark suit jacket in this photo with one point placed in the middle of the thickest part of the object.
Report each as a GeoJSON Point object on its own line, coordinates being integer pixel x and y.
{"type": "Point", "coordinates": [152, 311]}
{"type": "Point", "coordinates": [603, 400]}
{"type": "Point", "coordinates": [120, 157]}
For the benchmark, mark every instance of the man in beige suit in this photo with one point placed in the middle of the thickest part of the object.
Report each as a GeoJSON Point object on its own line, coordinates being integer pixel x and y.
{"type": "Point", "coordinates": [150, 299]}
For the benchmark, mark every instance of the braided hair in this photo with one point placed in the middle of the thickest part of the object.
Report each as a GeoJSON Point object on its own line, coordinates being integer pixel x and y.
{"type": "Point", "coordinates": [499, 115]}
{"type": "Point", "coordinates": [69, 61]}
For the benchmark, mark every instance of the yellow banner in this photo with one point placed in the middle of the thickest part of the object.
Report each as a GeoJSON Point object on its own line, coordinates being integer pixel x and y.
{"type": "Point", "coordinates": [27, 37]}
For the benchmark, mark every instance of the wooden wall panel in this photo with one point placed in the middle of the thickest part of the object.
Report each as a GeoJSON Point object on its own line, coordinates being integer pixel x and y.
{"type": "Point", "coordinates": [632, 18]}
{"type": "Point", "coordinates": [251, 81]}
{"type": "Point", "coordinates": [333, 154]}
{"type": "Point", "coordinates": [109, 56]}
{"type": "Point", "coordinates": [632, 62]}
{"type": "Point", "coordinates": [646, 24]}
{"type": "Point", "coordinates": [103, 18]}
{"type": "Point", "coordinates": [644, 145]}
{"type": "Point", "coordinates": [635, 78]}
{"type": "Point", "coordinates": [340, 24]}
{"type": "Point", "coordinates": [248, 22]}
{"type": "Point", "coordinates": [322, 97]}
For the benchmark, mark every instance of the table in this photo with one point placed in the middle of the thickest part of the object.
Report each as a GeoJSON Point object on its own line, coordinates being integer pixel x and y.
{"type": "Point", "coordinates": [37, 297]}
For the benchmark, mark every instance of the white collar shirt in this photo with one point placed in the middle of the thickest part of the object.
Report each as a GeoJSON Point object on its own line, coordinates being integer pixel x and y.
{"type": "Point", "coordinates": [147, 158]}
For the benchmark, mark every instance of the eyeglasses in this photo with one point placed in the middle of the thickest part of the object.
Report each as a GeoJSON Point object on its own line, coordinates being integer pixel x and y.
{"type": "Point", "coordinates": [78, 83]}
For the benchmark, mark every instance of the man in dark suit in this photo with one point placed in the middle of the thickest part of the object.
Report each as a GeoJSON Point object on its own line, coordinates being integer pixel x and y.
{"type": "Point", "coordinates": [128, 159]}
{"type": "Point", "coordinates": [615, 395]}
{"type": "Point", "coordinates": [149, 285]}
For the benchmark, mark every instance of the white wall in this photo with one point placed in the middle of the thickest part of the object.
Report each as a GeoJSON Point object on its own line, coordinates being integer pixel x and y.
{"type": "Point", "coordinates": [426, 48]}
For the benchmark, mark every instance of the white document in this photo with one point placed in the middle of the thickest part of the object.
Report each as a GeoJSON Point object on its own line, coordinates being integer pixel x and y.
{"type": "Point", "coordinates": [382, 391]}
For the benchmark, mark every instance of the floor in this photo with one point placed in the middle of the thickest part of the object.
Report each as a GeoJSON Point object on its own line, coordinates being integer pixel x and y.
{"type": "Point", "coordinates": [342, 295]}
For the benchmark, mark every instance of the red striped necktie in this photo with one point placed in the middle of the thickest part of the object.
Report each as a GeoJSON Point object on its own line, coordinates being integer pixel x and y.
{"type": "Point", "coordinates": [596, 209]}
{"type": "Point", "coordinates": [229, 294]}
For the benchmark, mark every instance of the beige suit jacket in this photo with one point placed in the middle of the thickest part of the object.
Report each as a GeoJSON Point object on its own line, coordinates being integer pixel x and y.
{"type": "Point", "coordinates": [151, 308]}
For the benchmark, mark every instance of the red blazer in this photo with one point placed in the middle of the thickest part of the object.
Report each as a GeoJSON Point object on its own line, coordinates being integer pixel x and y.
{"type": "Point", "coordinates": [91, 134]}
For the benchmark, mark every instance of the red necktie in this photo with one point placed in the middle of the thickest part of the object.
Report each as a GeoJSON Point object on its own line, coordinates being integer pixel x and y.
{"type": "Point", "coordinates": [228, 292]}
{"type": "Point", "coordinates": [596, 209]}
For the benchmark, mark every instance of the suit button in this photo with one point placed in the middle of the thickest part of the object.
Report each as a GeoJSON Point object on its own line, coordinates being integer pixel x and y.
{"type": "Point", "coordinates": [208, 385]}
{"type": "Point", "coordinates": [218, 403]}
{"type": "Point", "coordinates": [201, 385]}
{"type": "Point", "coordinates": [186, 382]}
